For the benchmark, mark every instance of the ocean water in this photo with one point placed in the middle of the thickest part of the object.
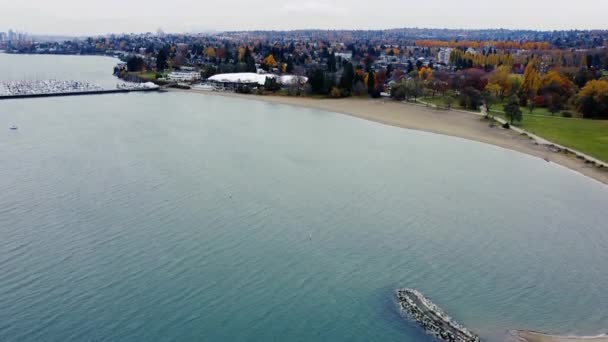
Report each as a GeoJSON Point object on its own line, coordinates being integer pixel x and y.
{"type": "Point", "coordinates": [183, 217]}
{"type": "Point", "coordinates": [95, 69]}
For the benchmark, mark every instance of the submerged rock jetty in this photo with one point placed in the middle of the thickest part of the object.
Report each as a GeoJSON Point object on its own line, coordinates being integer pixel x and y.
{"type": "Point", "coordinates": [431, 318]}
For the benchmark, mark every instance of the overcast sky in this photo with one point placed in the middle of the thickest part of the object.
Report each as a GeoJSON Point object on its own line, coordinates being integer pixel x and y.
{"type": "Point", "coordinates": [78, 17]}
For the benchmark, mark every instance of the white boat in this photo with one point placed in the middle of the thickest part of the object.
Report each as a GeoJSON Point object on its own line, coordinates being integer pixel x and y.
{"type": "Point", "coordinates": [13, 127]}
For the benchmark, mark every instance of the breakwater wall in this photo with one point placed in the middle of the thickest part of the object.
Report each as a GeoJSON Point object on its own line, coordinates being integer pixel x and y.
{"type": "Point", "coordinates": [75, 93]}
{"type": "Point", "coordinates": [432, 318]}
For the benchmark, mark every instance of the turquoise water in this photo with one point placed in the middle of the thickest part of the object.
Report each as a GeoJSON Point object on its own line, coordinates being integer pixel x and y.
{"type": "Point", "coordinates": [179, 217]}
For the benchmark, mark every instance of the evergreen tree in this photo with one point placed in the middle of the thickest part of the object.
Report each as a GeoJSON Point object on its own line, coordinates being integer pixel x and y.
{"type": "Point", "coordinates": [162, 58]}
{"type": "Point", "coordinates": [249, 60]}
{"type": "Point", "coordinates": [348, 77]}
{"type": "Point", "coordinates": [331, 63]}
{"type": "Point", "coordinates": [289, 67]}
{"type": "Point", "coordinates": [371, 83]}
{"type": "Point", "coordinates": [316, 79]}
{"type": "Point", "coordinates": [410, 67]}
{"type": "Point", "coordinates": [271, 84]}
{"type": "Point", "coordinates": [135, 63]}
{"type": "Point", "coordinates": [512, 110]}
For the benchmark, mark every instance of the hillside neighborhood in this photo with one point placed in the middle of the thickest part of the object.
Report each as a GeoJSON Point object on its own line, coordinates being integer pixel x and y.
{"type": "Point", "coordinates": [559, 72]}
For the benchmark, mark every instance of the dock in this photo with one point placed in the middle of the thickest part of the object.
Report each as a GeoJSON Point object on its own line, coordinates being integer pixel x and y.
{"type": "Point", "coordinates": [76, 93]}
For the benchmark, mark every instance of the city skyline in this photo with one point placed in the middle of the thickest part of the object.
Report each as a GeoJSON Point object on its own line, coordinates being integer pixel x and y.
{"type": "Point", "coordinates": [67, 17]}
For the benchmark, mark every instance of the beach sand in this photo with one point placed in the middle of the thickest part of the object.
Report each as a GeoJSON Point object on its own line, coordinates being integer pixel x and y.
{"type": "Point", "coordinates": [418, 117]}
{"type": "Point", "coordinates": [529, 336]}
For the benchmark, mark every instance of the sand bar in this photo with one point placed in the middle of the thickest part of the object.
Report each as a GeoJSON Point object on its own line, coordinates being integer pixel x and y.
{"type": "Point", "coordinates": [530, 336]}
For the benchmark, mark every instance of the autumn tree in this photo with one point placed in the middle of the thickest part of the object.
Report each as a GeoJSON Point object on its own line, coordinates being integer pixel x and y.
{"type": "Point", "coordinates": [531, 81]}
{"type": "Point", "coordinates": [425, 74]}
{"type": "Point", "coordinates": [501, 81]}
{"type": "Point", "coordinates": [592, 100]}
{"type": "Point", "coordinates": [380, 80]}
{"type": "Point", "coordinates": [210, 52]}
{"type": "Point", "coordinates": [269, 62]}
{"type": "Point", "coordinates": [556, 90]}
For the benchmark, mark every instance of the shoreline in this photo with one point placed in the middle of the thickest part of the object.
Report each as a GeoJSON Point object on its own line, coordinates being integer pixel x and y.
{"type": "Point", "coordinates": [532, 336]}
{"type": "Point", "coordinates": [452, 123]}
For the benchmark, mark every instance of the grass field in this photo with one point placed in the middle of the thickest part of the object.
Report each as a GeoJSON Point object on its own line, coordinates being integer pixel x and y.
{"type": "Point", "coordinates": [149, 75]}
{"type": "Point", "coordinates": [587, 136]}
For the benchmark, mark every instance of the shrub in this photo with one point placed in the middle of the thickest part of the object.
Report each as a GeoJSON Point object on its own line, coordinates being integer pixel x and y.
{"type": "Point", "coordinates": [335, 93]}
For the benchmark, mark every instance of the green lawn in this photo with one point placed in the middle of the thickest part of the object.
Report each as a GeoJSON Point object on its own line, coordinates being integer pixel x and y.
{"type": "Point", "coordinates": [149, 75]}
{"type": "Point", "coordinates": [587, 136]}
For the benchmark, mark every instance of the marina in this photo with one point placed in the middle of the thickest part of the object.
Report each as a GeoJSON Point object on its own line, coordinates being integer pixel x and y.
{"type": "Point", "coordinates": [53, 88]}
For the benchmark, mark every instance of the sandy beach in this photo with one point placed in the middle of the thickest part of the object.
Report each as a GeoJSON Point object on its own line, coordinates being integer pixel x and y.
{"type": "Point", "coordinates": [452, 123]}
{"type": "Point", "coordinates": [530, 336]}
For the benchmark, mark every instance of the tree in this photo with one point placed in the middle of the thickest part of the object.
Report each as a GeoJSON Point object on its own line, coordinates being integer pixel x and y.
{"type": "Point", "coordinates": [556, 89]}
{"type": "Point", "coordinates": [425, 74]}
{"type": "Point", "coordinates": [398, 91]}
{"type": "Point", "coordinates": [531, 81]}
{"type": "Point", "coordinates": [501, 81]}
{"type": "Point", "coordinates": [271, 84]}
{"type": "Point", "coordinates": [289, 66]}
{"type": "Point", "coordinates": [413, 88]}
{"type": "Point", "coordinates": [489, 99]}
{"type": "Point", "coordinates": [410, 67]}
{"type": "Point", "coordinates": [136, 64]}
{"type": "Point", "coordinates": [470, 98]}
{"type": "Point", "coordinates": [316, 79]}
{"type": "Point", "coordinates": [161, 59]}
{"type": "Point", "coordinates": [331, 63]}
{"type": "Point", "coordinates": [348, 77]}
{"type": "Point", "coordinates": [249, 61]}
{"type": "Point", "coordinates": [210, 52]}
{"type": "Point", "coordinates": [512, 110]}
{"type": "Point", "coordinates": [269, 62]}
{"type": "Point", "coordinates": [380, 80]}
{"type": "Point", "coordinates": [476, 78]}
{"type": "Point", "coordinates": [592, 100]}
{"type": "Point", "coordinates": [371, 83]}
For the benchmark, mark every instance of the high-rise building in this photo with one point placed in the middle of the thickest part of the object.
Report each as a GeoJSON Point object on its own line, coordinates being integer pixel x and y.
{"type": "Point", "coordinates": [11, 35]}
{"type": "Point", "coordinates": [2, 37]}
